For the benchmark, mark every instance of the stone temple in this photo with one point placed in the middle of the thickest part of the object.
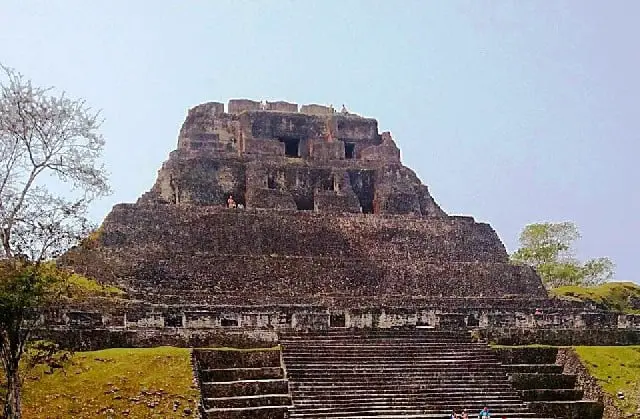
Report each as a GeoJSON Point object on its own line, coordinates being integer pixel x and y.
{"type": "Point", "coordinates": [331, 217]}
{"type": "Point", "coordinates": [338, 252]}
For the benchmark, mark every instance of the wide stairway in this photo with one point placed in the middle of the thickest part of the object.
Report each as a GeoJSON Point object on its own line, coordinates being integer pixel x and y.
{"type": "Point", "coordinates": [415, 373]}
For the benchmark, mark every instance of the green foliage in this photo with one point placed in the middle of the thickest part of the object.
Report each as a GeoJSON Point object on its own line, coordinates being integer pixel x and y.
{"type": "Point", "coordinates": [548, 248]}
{"type": "Point", "coordinates": [544, 243]}
{"type": "Point", "coordinates": [617, 368]}
{"type": "Point", "coordinates": [23, 289]}
{"type": "Point", "coordinates": [71, 285]}
{"type": "Point", "coordinates": [612, 295]}
{"type": "Point", "coordinates": [26, 289]}
{"type": "Point", "coordinates": [93, 238]}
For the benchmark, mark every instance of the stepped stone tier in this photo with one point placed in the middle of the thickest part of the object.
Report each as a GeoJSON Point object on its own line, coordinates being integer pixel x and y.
{"type": "Point", "coordinates": [328, 216]}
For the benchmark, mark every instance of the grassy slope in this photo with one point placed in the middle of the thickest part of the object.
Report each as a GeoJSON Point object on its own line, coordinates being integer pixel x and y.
{"type": "Point", "coordinates": [135, 383]}
{"type": "Point", "coordinates": [612, 295]}
{"type": "Point", "coordinates": [617, 368]}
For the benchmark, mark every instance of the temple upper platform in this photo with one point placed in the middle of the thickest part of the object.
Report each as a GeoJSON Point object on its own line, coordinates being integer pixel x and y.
{"type": "Point", "coordinates": [270, 155]}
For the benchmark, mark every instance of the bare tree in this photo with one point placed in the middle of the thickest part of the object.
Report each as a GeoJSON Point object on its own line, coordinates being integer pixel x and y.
{"type": "Point", "coordinates": [50, 148]}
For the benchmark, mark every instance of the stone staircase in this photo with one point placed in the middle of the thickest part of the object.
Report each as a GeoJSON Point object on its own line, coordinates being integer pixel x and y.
{"type": "Point", "coordinates": [417, 373]}
{"type": "Point", "coordinates": [534, 373]}
{"type": "Point", "coordinates": [237, 384]}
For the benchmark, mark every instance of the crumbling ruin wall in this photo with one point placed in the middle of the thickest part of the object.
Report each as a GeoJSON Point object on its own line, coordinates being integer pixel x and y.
{"type": "Point", "coordinates": [319, 152]}
{"type": "Point", "coordinates": [328, 213]}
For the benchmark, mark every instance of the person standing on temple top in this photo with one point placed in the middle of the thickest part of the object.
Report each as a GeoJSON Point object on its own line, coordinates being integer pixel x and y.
{"type": "Point", "coordinates": [484, 413]}
{"type": "Point", "coordinates": [230, 202]}
{"type": "Point", "coordinates": [344, 110]}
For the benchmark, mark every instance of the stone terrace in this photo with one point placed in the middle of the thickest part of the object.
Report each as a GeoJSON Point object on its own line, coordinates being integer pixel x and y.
{"type": "Point", "coordinates": [224, 256]}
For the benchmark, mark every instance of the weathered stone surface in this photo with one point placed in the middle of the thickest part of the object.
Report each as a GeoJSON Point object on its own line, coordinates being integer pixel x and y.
{"type": "Point", "coordinates": [328, 211]}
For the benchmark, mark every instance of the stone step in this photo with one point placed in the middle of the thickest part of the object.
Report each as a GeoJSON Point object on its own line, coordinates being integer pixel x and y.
{"type": "Point", "coordinates": [552, 394]}
{"type": "Point", "coordinates": [383, 344]}
{"type": "Point", "coordinates": [392, 368]}
{"type": "Point", "coordinates": [244, 388]}
{"type": "Point", "coordinates": [348, 333]}
{"type": "Point", "coordinates": [330, 370]}
{"type": "Point", "coordinates": [329, 389]}
{"type": "Point", "coordinates": [306, 400]}
{"type": "Point", "coordinates": [389, 357]}
{"type": "Point", "coordinates": [367, 359]}
{"type": "Point", "coordinates": [391, 415]}
{"type": "Point", "coordinates": [407, 389]}
{"type": "Point", "coordinates": [534, 368]}
{"type": "Point", "coordinates": [262, 412]}
{"type": "Point", "coordinates": [416, 404]}
{"type": "Point", "coordinates": [247, 401]}
{"type": "Point", "coordinates": [529, 381]}
{"type": "Point", "coordinates": [322, 412]}
{"type": "Point", "coordinates": [235, 374]}
{"type": "Point", "coordinates": [412, 347]}
{"type": "Point", "coordinates": [583, 409]}
{"type": "Point", "coordinates": [427, 372]}
{"type": "Point", "coordinates": [386, 381]}
{"type": "Point", "coordinates": [429, 343]}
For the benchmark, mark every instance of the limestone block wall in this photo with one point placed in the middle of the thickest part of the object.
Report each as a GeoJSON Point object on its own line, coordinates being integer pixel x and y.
{"type": "Point", "coordinates": [282, 106]}
{"type": "Point", "coordinates": [242, 105]}
{"type": "Point", "coordinates": [313, 109]}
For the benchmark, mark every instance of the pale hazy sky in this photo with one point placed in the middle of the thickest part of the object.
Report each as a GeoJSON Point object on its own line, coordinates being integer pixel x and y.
{"type": "Point", "coordinates": [511, 111]}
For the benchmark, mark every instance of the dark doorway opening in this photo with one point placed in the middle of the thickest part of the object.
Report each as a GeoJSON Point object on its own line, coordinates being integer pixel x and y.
{"type": "Point", "coordinates": [173, 319]}
{"type": "Point", "coordinates": [329, 184]}
{"type": "Point", "coordinates": [291, 147]}
{"type": "Point", "coordinates": [337, 320]}
{"type": "Point", "coordinates": [271, 182]}
{"type": "Point", "coordinates": [367, 207]}
{"type": "Point", "coordinates": [228, 322]}
{"type": "Point", "coordinates": [349, 151]}
{"type": "Point", "coordinates": [363, 184]}
{"type": "Point", "coordinates": [304, 203]}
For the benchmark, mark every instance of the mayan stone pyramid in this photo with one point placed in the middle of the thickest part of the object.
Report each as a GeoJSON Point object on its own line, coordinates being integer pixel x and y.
{"type": "Point", "coordinates": [322, 212]}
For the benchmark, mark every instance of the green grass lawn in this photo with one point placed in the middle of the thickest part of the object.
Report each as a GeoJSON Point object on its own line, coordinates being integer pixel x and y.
{"type": "Point", "coordinates": [116, 383]}
{"type": "Point", "coordinates": [617, 368]}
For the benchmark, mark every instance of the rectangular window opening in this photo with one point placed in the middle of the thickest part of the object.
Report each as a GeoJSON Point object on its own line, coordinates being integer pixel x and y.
{"type": "Point", "coordinates": [271, 182]}
{"type": "Point", "coordinates": [291, 146]}
{"type": "Point", "coordinates": [349, 151]}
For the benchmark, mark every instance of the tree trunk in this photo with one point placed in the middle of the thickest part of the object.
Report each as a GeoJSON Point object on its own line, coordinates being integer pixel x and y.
{"type": "Point", "coordinates": [6, 242]}
{"type": "Point", "coordinates": [12, 405]}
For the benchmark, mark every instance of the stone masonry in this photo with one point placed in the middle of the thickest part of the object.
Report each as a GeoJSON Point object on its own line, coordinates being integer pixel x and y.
{"type": "Point", "coordinates": [328, 214]}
